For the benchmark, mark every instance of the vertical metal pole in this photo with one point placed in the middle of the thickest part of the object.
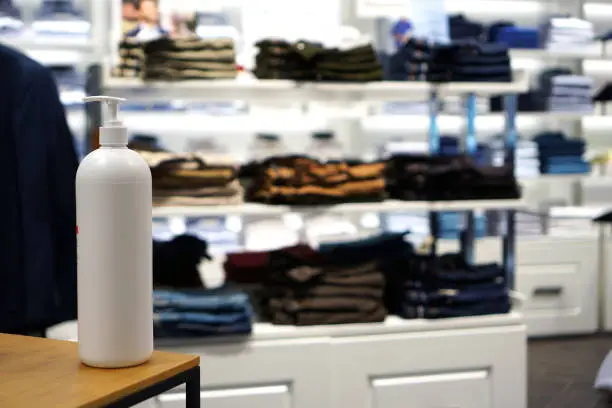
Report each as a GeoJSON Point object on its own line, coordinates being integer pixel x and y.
{"type": "Point", "coordinates": [471, 146]}
{"type": "Point", "coordinates": [509, 241]}
{"type": "Point", "coordinates": [434, 149]}
{"type": "Point", "coordinates": [93, 112]}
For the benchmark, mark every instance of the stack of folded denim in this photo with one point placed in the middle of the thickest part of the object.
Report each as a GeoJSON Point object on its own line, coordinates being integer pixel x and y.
{"type": "Point", "coordinates": [307, 61]}
{"type": "Point", "coordinates": [560, 155]}
{"type": "Point", "coordinates": [450, 146]}
{"type": "Point", "coordinates": [530, 101]}
{"type": "Point", "coordinates": [410, 62]}
{"type": "Point", "coordinates": [566, 33]}
{"type": "Point", "coordinates": [193, 179]}
{"type": "Point", "coordinates": [189, 58]}
{"type": "Point", "coordinates": [526, 157]}
{"type": "Point", "coordinates": [339, 283]}
{"type": "Point", "coordinates": [469, 62]}
{"type": "Point", "coordinates": [412, 177]}
{"type": "Point", "coordinates": [428, 287]}
{"type": "Point", "coordinates": [565, 92]}
{"type": "Point", "coordinates": [300, 180]}
{"type": "Point", "coordinates": [201, 313]}
{"type": "Point", "coordinates": [460, 28]}
{"type": "Point", "coordinates": [505, 32]}
{"type": "Point", "coordinates": [10, 18]}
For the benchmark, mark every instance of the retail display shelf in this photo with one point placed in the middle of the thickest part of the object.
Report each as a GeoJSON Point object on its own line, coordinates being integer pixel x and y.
{"type": "Point", "coordinates": [592, 52]}
{"type": "Point", "coordinates": [383, 207]}
{"type": "Point", "coordinates": [275, 90]}
{"type": "Point", "coordinates": [54, 50]}
{"type": "Point", "coordinates": [391, 325]}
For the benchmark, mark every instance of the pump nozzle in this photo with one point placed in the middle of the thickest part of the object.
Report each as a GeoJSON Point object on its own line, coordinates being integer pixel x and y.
{"type": "Point", "coordinates": [113, 132]}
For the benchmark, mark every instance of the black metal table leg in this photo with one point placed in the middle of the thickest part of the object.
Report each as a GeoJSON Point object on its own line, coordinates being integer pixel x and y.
{"type": "Point", "coordinates": [191, 379]}
{"type": "Point", "coordinates": [193, 389]}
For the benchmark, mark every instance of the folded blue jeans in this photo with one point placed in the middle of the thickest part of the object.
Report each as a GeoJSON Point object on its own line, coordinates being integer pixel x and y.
{"type": "Point", "coordinates": [438, 312]}
{"type": "Point", "coordinates": [201, 301]}
{"type": "Point", "coordinates": [455, 296]}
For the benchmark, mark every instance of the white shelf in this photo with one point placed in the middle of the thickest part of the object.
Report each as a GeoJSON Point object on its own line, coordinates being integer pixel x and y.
{"type": "Point", "coordinates": [590, 52]}
{"type": "Point", "coordinates": [51, 51]}
{"type": "Point", "coordinates": [275, 90]}
{"type": "Point", "coordinates": [386, 206]}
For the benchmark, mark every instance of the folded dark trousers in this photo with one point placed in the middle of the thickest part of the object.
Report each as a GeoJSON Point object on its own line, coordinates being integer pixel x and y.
{"type": "Point", "coordinates": [320, 318]}
{"type": "Point", "coordinates": [476, 309]}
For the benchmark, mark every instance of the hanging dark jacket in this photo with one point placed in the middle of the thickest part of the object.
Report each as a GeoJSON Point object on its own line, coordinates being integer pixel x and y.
{"type": "Point", "coordinates": [38, 166]}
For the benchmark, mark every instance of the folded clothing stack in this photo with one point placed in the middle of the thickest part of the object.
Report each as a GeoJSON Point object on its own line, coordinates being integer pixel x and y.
{"type": "Point", "coordinates": [422, 286]}
{"type": "Point", "coordinates": [176, 262]}
{"type": "Point", "coordinates": [131, 59]}
{"type": "Point", "coordinates": [526, 156]}
{"type": "Point", "coordinates": [307, 61]}
{"type": "Point", "coordinates": [469, 62]}
{"type": "Point", "coordinates": [450, 146]}
{"type": "Point", "coordinates": [565, 92]}
{"type": "Point", "coordinates": [412, 177]}
{"type": "Point", "coordinates": [566, 33]}
{"type": "Point", "coordinates": [192, 179]}
{"type": "Point", "coordinates": [339, 283]}
{"type": "Point", "coordinates": [177, 59]}
{"type": "Point", "coordinates": [200, 313]}
{"type": "Point", "coordinates": [505, 32]}
{"type": "Point", "coordinates": [560, 155]}
{"type": "Point", "coordinates": [461, 28]}
{"type": "Point", "coordinates": [410, 62]}
{"type": "Point", "coordinates": [299, 180]}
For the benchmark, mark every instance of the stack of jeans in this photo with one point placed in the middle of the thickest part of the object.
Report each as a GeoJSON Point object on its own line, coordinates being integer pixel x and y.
{"type": "Point", "coordinates": [10, 18]}
{"type": "Point", "coordinates": [560, 155]}
{"type": "Point", "coordinates": [308, 61]}
{"type": "Point", "coordinates": [526, 157]}
{"type": "Point", "coordinates": [431, 287]}
{"type": "Point", "coordinates": [567, 34]}
{"type": "Point", "coordinates": [410, 62]}
{"type": "Point", "coordinates": [505, 32]}
{"type": "Point", "coordinates": [460, 28]}
{"type": "Point", "coordinates": [470, 62]}
{"type": "Point", "coordinates": [338, 283]}
{"type": "Point", "coordinates": [413, 177]}
{"type": "Point", "coordinates": [201, 313]}
{"type": "Point", "coordinates": [565, 92]}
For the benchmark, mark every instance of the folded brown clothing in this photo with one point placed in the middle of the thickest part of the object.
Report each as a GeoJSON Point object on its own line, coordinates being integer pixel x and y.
{"type": "Point", "coordinates": [307, 171]}
{"type": "Point", "coordinates": [224, 191]}
{"type": "Point", "coordinates": [317, 318]}
{"type": "Point", "coordinates": [189, 65]}
{"type": "Point", "coordinates": [196, 201]}
{"type": "Point", "coordinates": [307, 273]}
{"type": "Point", "coordinates": [188, 44]}
{"type": "Point", "coordinates": [346, 190]}
{"type": "Point", "coordinates": [165, 74]}
{"type": "Point", "coordinates": [324, 304]}
{"type": "Point", "coordinates": [323, 290]}
{"type": "Point", "coordinates": [192, 56]}
{"type": "Point", "coordinates": [317, 276]}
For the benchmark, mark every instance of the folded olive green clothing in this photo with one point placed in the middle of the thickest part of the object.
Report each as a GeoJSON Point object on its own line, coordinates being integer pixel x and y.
{"type": "Point", "coordinates": [188, 44]}
{"type": "Point", "coordinates": [324, 290]}
{"type": "Point", "coordinates": [228, 190]}
{"type": "Point", "coordinates": [167, 74]}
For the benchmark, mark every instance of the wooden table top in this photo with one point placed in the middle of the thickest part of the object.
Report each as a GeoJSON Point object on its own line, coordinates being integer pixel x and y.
{"type": "Point", "coordinates": [37, 372]}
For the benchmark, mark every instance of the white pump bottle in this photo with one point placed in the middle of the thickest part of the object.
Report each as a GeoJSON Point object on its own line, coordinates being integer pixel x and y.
{"type": "Point", "coordinates": [114, 255]}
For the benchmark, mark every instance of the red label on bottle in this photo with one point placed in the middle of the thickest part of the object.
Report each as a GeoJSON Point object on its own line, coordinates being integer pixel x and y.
{"type": "Point", "coordinates": [77, 229]}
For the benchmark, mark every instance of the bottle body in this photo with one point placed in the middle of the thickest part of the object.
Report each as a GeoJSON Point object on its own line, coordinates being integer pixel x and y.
{"type": "Point", "coordinates": [114, 258]}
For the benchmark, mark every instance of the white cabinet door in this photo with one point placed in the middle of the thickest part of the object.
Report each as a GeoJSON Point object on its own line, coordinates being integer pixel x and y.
{"type": "Point", "coordinates": [272, 374]}
{"type": "Point", "coordinates": [456, 390]}
{"type": "Point", "coordinates": [252, 397]}
{"type": "Point", "coordinates": [477, 368]}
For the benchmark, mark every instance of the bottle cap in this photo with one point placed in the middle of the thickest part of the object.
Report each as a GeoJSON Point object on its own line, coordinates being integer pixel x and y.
{"type": "Point", "coordinates": [113, 132]}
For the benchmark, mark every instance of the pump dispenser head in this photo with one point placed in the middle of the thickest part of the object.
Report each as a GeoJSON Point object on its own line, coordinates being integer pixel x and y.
{"type": "Point", "coordinates": [113, 132]}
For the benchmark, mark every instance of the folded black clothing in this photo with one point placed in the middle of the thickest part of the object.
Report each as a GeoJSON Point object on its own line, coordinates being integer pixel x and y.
{"type": "Point", "coordinates": [604, 94]}
{"type": "Point", "coordinates": [460, 28]}
{"type": "Point", "coordinates": [500, 306]}
{"type": "Point", "coordinates": [175, 262]}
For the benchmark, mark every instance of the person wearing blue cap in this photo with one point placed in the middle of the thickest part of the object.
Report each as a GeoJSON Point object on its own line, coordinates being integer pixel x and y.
{"type": "Point", "coordinates": [401, 31]}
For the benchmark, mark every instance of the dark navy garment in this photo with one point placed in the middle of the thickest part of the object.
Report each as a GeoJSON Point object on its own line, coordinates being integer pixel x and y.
{"type": "Point", "coordinates": [38, 164]}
